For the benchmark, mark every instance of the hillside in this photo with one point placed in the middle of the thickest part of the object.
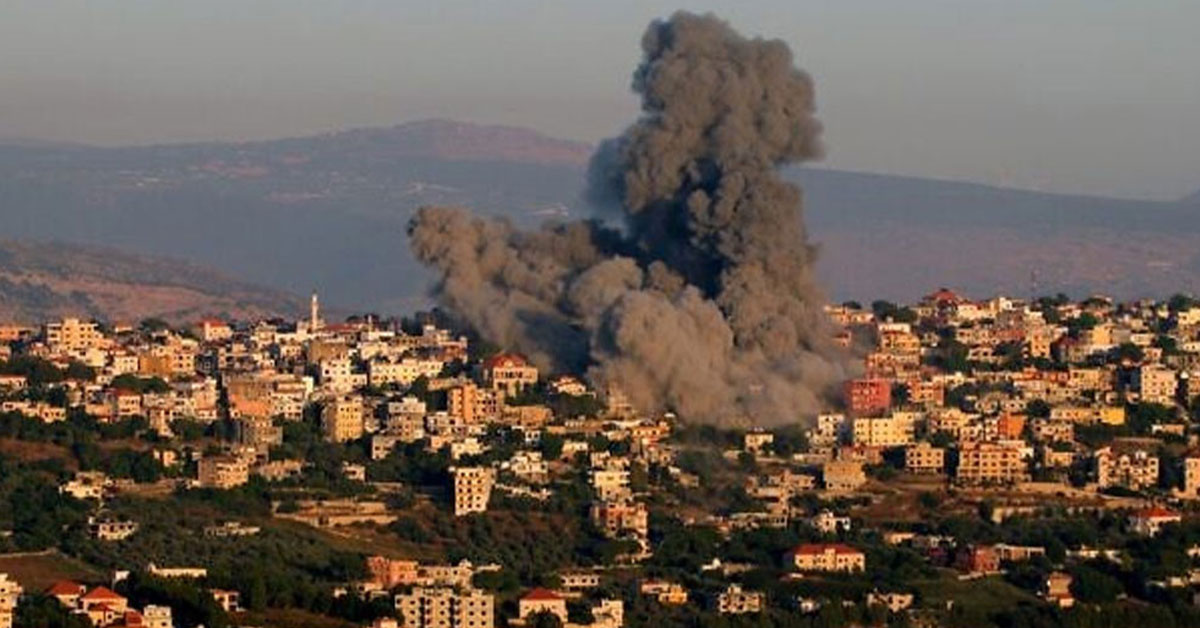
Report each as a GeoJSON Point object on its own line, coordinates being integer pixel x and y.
{"type": "Point", "coordinates": [330, 211]}
{"type": "Point", "coordinates": [46, 280]}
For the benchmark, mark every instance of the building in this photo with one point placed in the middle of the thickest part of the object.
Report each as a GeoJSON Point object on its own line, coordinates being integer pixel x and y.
{"type": "Point", "coordinates": [868, 396]}
{"type": "Point", "coordinates": [1155, 384]}
{"type": "Point", "coordinates": [446, 607]}
{"type": "Point", "coordinates": [72, 334]}
{"type": "Point", "coordinates": [894, 602]}
{"type": "Point", "coordinates": [1056, 589]}
{"type": "Point", "coordinates": [229, 601]}
{"type": "Point", "coordinates": [223, 472]}
{"type": "Point", "coordinates": [474, 404]}
{"type": "Point", "coordinates": [843, 475]}
{"type": "Point", "coordinates": [342, 419]}
{"type": "Point", "coordinates": [472, 489]}
{"type": "Point", "coordinates": [1135, 471]}
{"type": "Point", "coordinates": [10, 592]}
{"type": "Point", "coordinates": [736, 601]}
{"type": "Point", "coordinates": [1191, 475]}
{"type": "Point", "coordinates": [834, 557]}
{"type": "Point", "coordinates": [924, 458]}
{"type": "Point", "coordinates": [106, 529]}
{"type": "Point", "coordinates": [620, 518]}
{"type": "Point", "coordinates": [540, 601]}
{"type": "Point", "coordinates": [893, 431]}
{"type": "Point", "coordinates": [1149, 521]}
{"type": "Point", "coordinates": [990, 463]}
{"type": "Point", "coordinates": [828, 523]}
{"type": "Point", "coordinates": [509, 372]}
{"type": "Point", "coordinates": [977, 559]}
{"type": "Point", "coordinates": [668, 593]}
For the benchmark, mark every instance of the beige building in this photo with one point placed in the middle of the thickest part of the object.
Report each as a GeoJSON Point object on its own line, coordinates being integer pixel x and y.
{"type": "Point", "coordinates": [736, 601]}
{"type": "Point", "coordinates": [474, 404]}
{"type": "Point", "coordinates": [986, 463]}
{"type": "Point", "coordinates": [342, 419]}
{"type": "Point", "coordinates": [72, 334]}
{"type": "Point", "coordinates": [223, 472]}
{"type": "Point", "coordinates": [834, 557]}
{"type": "Point", "coordinates": [10, 591]}
{"type": "Point", "coordinates": [1155, 384]}
{"type": "Point", "coordinates": [540, 601]}
{"type": "Point", "coordinates": [472, 489]}
{"type": "Point", "coordinates": [446, 607]}
{"type": "Point", "coordinates": [843, 475]}
{"type": "Point", "coordinates": [1135, 470]}
{"type": "Point", "coordinates": [893, 431]}
{"type": "Point", "coordinates": [925, 458]}
{"type": "Point", "coordinates": [509, 372]}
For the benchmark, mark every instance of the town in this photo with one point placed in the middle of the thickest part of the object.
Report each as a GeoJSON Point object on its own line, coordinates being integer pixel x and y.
{"type": "Point", "coordinates": [1000, 462]}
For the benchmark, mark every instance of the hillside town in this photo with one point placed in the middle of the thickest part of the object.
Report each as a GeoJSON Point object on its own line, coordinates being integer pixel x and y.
{"type": "Point", "coordinates": [998, 462]}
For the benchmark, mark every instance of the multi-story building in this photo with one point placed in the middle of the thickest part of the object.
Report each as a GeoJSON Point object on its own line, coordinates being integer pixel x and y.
{"type": "Point", "coordinates": [1136, 470]}
{"type": "Point", "coordinates": [472, 489]}
{"type": "Point", "coordinates": [868, 396]}
{"type": "Point", "coordinates": [924, 458]}
{"type": "Point", "coordinates": [446, 607]}
{"type": "Point", "coordinates": [10, 592]}
{"type": "Point", "coordinates": [474, 404]}
{"type": "Point", "coordinates": [223, 472]}
{"type": "Point", "coordinates": [843, 475]}
{"type": "Point", "coordinates": [987, 463]}
{"type": "Point", "coordinates": [621, 518]}
{"type": "Point", "coordinates": [736, 601]}
{"type": "Point", "coordinates": [342, 418]}
{"type": "Point", "coordinates": [834, 557]}
{"type": "Point", "coordinates": [72, 334]}
{"type": "Point", "coordinates": [540, 601]}
{"type": "Point", "coordinates": [1155, 384]}
{"type": "Point", "coordinates": [893, 431]}
{"type": "Point", "coordinates": [509, 372]}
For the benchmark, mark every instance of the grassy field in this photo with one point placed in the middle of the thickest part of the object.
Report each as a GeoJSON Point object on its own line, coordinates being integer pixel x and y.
{"type": "Point", "coordinates": [37, 572]}
{"type": "Point", "coordinates": [985, 594]}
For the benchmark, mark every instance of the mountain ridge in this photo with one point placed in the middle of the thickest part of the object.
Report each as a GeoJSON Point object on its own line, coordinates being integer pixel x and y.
{"type": "Point", "coordinates": [330, 211]}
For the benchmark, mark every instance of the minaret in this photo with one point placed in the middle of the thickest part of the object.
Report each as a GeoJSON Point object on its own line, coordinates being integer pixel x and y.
{"type": "Point", "coordinates": [314, 322]}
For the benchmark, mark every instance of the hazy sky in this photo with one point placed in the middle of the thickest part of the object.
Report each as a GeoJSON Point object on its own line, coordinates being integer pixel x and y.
{"type": "Point", "coordinates": [1099, 96]}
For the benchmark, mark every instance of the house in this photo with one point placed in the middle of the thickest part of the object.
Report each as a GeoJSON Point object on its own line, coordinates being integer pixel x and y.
{"type": "Point", "coordinates": [10, 592]}
{"type": "Point", "coordinates": [509, 372]}
{"type": "Point", "coordinates": [67, 592]}
{"type": "Point", "coordinates": [977, 560]}
{"type": "Point", "coordinates": [843, 475]}
{"type": "Point", "coordinates": [223, 472]}
{"type": "Point", "coordinates": [894, 602]}
{"type": "Point", "coordinates": [829, 523]}
{"type": "Point", "coordinates": [1056, 589]}
{"type": "Point", "coordinates": [229, 601]}
{"type": "Point", "coordinates": [736, 601]}
{"type": "Point", "coordinates": [833, 557]}
{"type": "Point", "coordinates": [542, 601]}
{"type": "Point", "coordinates": [107, 529]}
{"type": "Point", "coordinates": [669, 593]}
{"type": "Point", "coordinates": [1149, 521]}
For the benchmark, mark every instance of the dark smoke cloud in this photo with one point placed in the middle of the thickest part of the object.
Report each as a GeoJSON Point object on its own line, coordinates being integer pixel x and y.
{"type": "Point", "coordinates": [704, 302]}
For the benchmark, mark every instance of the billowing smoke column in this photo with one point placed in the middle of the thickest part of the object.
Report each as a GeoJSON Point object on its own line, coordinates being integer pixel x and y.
{"type": "Point", "coordinates": [704, 302]}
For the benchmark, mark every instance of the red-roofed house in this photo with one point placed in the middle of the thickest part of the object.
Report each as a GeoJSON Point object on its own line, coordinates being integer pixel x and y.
{"type": "Point", "coordinates": [509, 372]}
{"type": "Point", "coordinates": [66, 592]}
{"type": "Point", "coordinates": [543, 601]}
{"type": "Point", "coordinates": [1149, 521]}
{"type": "Point", "coordinates": [827, 557]}
{"type": "Point", "coordinates": [103, 596]}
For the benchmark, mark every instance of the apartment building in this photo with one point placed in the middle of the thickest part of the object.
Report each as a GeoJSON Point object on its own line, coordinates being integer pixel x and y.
{"type": "Point", "coordinates": [990, 463]}
{"type": "Point", "coordinates": [223, 472]}
{"type": "Point", "coordinates": [1135, 470]}
{"type": "Point", "coordinates": [446, 607]}
{"type": "Point", "coordinates": [893, 431]}
{"type": "Point", "coordinates": [1155, 384]}
{"type": "Point", "coordinates": [833, 557]}
{"type": "Point", "coordinates": [868, 396]}
{"type": "Point", "coordinates": [72, 334]}
{"type": "Point", "coordinates": [843, 475]}
{"type": "Point", "coordinates": [10, 592]}
{"type": "Point", "coordinates": [924, 458]}
{"type": "Point", "coordinates": [343, 418]}
{"type": "Point", "coordinates": [472, 489]}
{"type": "Point", "coordinates": [735, 600]}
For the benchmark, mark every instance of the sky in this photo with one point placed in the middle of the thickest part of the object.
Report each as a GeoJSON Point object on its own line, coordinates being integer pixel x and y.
{"type": "Point", "coordinates": [1084, 96]}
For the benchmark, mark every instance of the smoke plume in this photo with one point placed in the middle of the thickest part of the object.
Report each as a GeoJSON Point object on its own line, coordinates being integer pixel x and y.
{"type": "Point", "coordinates": [702, 301]}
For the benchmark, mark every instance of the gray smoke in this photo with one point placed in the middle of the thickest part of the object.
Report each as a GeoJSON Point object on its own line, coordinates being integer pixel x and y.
{"type": "Point", "coordinates": [704, 301]}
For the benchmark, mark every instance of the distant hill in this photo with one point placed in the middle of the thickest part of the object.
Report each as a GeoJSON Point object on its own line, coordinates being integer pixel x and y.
{"type": "Point", "coordinates": [329, 212]}
{"type": "Point", "coordinates": [39, 281]}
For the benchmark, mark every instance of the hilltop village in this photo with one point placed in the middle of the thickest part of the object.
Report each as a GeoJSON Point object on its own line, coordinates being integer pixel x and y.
{"type": "Point", "coordinates": [1000, 462]}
